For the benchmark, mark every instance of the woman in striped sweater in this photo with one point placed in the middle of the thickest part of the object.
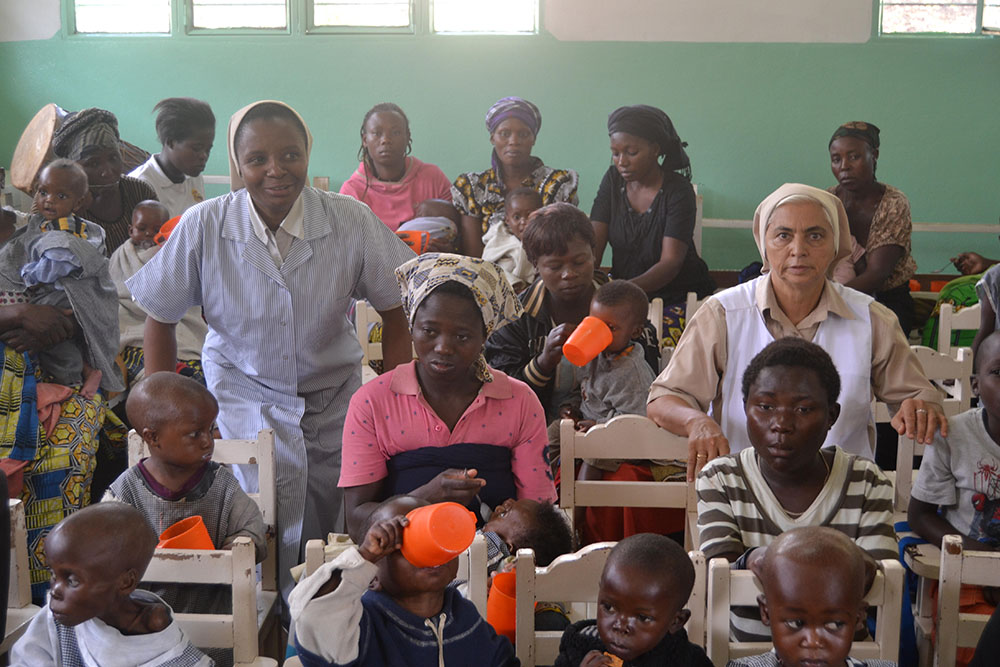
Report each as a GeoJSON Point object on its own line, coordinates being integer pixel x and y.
{"type": "Point", "coordinates": [788, 479]}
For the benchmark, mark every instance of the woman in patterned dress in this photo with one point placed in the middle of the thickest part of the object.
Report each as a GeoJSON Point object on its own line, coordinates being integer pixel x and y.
{"type": "Point", "coordinates": [513, 124]}
{"type": "Point", "coordinates": [879, 216]}
{"type": "Point", "coordinates": [48, 431]}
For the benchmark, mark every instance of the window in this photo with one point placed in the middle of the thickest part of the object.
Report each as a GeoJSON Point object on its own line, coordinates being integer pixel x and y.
{"type": "Point", "coordinates": [512, 16]}
{"type": "Point", "coordinates": [215, 14]}
{"type": "Point", "coordinates": [122, 16]}
{"type": "Point", "coordinates": [299, 17]}
{"type": "Point", "coordinates": [970, 17]}
{"type": "Point", "coordinates": [362, 13]}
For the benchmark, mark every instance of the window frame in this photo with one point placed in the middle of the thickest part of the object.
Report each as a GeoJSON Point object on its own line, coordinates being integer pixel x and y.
{"type": "Point", "coordinates": [980, 31]}
{"type": "Point", "coordinates": [300, 21]}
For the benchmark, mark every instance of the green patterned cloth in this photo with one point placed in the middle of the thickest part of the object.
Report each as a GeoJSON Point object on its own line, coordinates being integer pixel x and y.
{"type": "Point", "coordinates": [960, 293]}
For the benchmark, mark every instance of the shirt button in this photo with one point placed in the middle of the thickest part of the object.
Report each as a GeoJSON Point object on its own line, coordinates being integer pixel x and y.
{"type": "Point", "coordinates": [437, 428]}
{"type": "Point", "coordinates": [285, 357]}
{"type": "Point", "coordinates": [284, 323]}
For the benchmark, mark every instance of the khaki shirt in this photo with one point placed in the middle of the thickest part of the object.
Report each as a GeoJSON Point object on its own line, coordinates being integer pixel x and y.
{"type": "Point", "coordinates": [699, 362]}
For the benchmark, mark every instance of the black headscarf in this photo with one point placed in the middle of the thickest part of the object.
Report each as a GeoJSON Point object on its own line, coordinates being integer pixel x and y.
{"type": "Point", "coordinates": [654, 126]}
{"type": "Point", "coordinates": [859, 129]}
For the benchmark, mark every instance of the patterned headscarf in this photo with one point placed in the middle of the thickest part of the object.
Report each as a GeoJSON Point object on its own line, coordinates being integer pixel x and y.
{"type": "Point", "coordinates": [514, 107]}
{"type": "Point", "coordinates": [420, 276]}
{"type": "Point", "coordinates": [831, 205]}
{"type": "Point", "coordinates": [653, 125]}
{"type": "Point", "coordinates": [859, 129]}
{"type": "Point", "coordinates": [85, 129]}
{"type": "Point", "coordinates": [235, 175]}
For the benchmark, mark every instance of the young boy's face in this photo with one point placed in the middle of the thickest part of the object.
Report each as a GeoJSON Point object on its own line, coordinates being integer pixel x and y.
{"type": "Point", "coordinates": [190, 155]}
{"type": "Point", "coordinates": [81, 588]}
{"type": "Point", "coordinates": [622, 322]}
{"type": "Point", "coordinates": [188, 441]}
{"type": "Point", "coordinates": [59, 192]}
{"type": "Point", "coordinates": [813, 614]}
{"type": "Point", "coordinates": [788, 417]}
{"type": "Point", "coordinates": [634, 614]}
{"type": "Point", "coordinates": [146, 223]}
{"type": "Point", "coordinates": [986, 381]}
{"type": "Point", "coordinates": [517, 210]}
{"type": "Point", "coordinates": [512, 521]}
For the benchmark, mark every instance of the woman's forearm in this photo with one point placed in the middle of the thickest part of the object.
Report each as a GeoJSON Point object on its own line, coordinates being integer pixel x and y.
{"type": "Point", "coordinates": [471, 236]}
{"type": "Point", "coordinates": [674, 414]}
{"type": "Point", "coordinates": [159, 346]}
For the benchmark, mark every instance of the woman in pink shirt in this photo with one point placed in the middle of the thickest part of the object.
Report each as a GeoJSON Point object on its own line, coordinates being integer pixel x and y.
{"type": "Point", "coordinates": [446, 426]}
{"type": "Point", "coordinates": [390, 181]}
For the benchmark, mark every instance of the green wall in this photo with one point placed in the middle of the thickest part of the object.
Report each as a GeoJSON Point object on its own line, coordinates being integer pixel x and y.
{"type": "Point", "coordinates": [755, 115]}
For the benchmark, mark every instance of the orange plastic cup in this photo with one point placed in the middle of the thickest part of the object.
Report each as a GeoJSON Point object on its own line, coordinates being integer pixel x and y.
{"type": "Point", "coordinates": [437, 533]}
{"type": "Point", "coordinates": [189, 533]}
{"type": "Point", "coordinates": [588, 340]}
{"type": "Point", "coordinates": [417, 240]}
{"type": "Point", "coordinates": [165, 231]}
{"type": "Point", "coordinates": [500, 607]}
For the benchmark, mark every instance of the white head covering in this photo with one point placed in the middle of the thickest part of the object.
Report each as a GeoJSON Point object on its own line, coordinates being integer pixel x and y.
{"type": "Point", "coordinates": [235, 177]}
{"type": "Point", "coordinates": [831, 205]}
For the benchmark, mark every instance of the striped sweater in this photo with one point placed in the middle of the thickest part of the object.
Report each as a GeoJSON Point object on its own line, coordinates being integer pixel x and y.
{"type": "Point", "coordinates": [738, 511]}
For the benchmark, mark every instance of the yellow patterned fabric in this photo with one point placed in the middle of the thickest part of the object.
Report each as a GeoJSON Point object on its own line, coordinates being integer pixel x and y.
{"type": "Point", "coordinates": [57, 479]}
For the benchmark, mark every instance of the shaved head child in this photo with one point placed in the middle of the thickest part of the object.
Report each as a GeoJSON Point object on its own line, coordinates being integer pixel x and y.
{"type": "Point", "coordinates": [175, 416]}
{"type": "Point", "coordinates": [640, 610]}
{"type": "Point", "coordinates": [95, 614]}
{"type": "Point", "coordinates": [814, 580]}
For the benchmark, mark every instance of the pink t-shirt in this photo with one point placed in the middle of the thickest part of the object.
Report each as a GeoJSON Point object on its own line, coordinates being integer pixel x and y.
{"type": "Point", "coordinates": [395, 202]}
{"type": "Point", "coordinates": [389, 415]}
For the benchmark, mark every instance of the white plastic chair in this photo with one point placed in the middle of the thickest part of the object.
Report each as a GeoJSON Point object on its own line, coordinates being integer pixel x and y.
{"type": "Point", "coordinates": [20, 611]}
{"type": "Point", "coordinates": [656, 319]}
{"type": "Point", "coordinates": [365, 316]}
{"type": "Point", "coordinates": [233, 568]}
{"type": "Point", "coordinates": [259, 452]}
{"type": "Point", "coordinates": [959, 566]}
{"type": "Point", "coordinates": [729, 588]}
{"type": "Point", "coordinates": [950, 320]}
{"type": "Point", "coordinates": [625, 437]}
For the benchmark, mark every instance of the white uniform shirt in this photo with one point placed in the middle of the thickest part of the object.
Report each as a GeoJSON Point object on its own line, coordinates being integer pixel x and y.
{"type": "Point", "coordinates": [177, 197]}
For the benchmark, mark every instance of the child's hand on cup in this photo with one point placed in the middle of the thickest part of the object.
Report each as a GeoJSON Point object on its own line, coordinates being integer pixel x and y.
{"type": "Point", "coordinates": [383, 538]}
{"type": "Point", "coordinates": [597, 659]}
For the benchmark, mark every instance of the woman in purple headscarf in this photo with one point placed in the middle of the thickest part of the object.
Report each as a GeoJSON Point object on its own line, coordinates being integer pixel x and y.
{"type": "Point", "coordinates": [513, 124]}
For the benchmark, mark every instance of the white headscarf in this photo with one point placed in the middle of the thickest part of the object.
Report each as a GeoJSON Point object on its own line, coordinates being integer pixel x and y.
{"type": "Point", "coordinates": [836, 216]}
{"type": "Point", "coordinates": [235, 177]}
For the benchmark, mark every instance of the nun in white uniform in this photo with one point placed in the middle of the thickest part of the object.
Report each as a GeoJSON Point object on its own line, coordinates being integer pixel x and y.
{"type": "Point", "coordinates": [801, 232]}
{"type": "Point", "coordinates": [276, 266]}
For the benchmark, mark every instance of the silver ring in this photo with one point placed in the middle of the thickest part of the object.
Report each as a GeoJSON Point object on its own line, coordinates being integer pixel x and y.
{"type": "Point", "coordinates": [921, 411]}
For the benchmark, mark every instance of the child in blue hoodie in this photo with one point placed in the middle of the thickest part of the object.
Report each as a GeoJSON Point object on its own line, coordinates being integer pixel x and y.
{"type": "Point", "coordinates": [410, 616]}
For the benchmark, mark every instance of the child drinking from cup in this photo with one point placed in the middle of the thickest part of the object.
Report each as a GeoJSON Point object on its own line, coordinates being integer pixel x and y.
{"type": "Point", "coordinates": [371, 606]}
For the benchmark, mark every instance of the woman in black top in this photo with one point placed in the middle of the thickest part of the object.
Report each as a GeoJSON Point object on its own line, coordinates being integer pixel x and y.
{"type": "Point", "coordinates": [646, 207]}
